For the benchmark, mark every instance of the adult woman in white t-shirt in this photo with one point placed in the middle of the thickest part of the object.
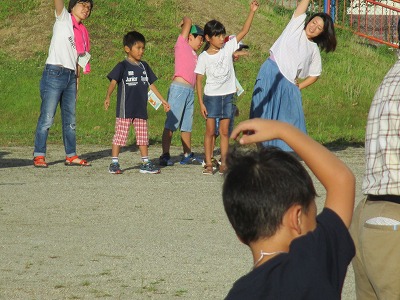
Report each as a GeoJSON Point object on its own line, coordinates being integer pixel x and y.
{"type": "Point", "coordinates": [68, 52]}
{"type": "Point", "coordinates": [295, 55]}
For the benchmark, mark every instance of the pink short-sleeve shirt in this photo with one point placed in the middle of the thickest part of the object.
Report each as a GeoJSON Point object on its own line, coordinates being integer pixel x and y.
{"type": "Point", "coordinates": [185, 61]}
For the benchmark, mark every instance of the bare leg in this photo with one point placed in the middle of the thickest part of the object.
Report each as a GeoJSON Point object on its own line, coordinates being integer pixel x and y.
{"type": "Point", "coordinates": [208, 140]}
{"type": "Point", "coordinates": [186, 141]}
{"type": "Point", "coordinates": [144, 150]}
{"type": "Point", "coordinates": [224, 139]}
{"type": "Point", "coordinates": [214, 138]}
{"type": "Point", "coordinates": [115, 150]}
{"type": "Point", "coordinates": [166, 140]}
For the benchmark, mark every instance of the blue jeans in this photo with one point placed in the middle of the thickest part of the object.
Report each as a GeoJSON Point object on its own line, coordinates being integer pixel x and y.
{"type": "Point", "coordinates": [58, 85]}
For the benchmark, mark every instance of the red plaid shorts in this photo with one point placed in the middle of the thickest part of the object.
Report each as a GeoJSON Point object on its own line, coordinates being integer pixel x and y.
{"type": "Point", "coordinates": [122, 131]}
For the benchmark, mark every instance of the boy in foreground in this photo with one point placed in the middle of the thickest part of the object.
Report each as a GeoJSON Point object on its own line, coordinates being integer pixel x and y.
{"type": "Point", "coordinates": [269, 199]}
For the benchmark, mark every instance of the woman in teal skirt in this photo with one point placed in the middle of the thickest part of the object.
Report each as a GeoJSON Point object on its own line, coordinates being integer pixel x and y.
{"type": "Point", "coordinates": [295, 55]}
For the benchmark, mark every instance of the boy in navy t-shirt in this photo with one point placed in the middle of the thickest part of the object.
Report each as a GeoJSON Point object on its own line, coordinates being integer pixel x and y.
{"type": "Point", "coordinates": [269, 198]}
{"type": "Point", "coordinates": [134, 77]}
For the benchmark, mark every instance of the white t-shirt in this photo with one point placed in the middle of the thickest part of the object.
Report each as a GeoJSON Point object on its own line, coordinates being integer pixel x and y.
{"type": "Point", "coordinates": [219, 70]}
{"type": "Point", "coordinates": [62, 50]}
{"type": "Point", "coordinates": [295, 55]}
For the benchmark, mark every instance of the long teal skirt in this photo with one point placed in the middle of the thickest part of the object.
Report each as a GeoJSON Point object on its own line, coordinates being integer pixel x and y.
{"type": "Point", "coordinates": [276, 98]}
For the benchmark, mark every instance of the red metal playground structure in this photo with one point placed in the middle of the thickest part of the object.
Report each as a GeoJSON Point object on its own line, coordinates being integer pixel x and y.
{"type": "Point", "coordinates": [374, 20]}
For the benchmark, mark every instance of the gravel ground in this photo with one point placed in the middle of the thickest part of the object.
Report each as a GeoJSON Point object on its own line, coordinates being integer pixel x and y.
{"type": "Point", "coordinates": [81, 233]}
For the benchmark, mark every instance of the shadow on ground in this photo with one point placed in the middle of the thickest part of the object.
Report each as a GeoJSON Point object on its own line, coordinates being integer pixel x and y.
{"type": "Point", "coordinates": [340, 144]}
{"type": "Point", "coordinates": [12, 163]}
{"type": "Point", "coordinates": [7, 160]}
{"type": "Point", "coordinates": [337, 145]}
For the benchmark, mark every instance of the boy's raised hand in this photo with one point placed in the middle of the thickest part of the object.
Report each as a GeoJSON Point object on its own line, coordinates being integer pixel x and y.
{"type": "Point", "coordinates": [256, 131]}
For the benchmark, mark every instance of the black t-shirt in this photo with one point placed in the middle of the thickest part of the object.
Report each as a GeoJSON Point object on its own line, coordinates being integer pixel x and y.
{"type": "Point", "coordinates": [133, 84]}
{"type": "Point", "coordinates": [314, 268]}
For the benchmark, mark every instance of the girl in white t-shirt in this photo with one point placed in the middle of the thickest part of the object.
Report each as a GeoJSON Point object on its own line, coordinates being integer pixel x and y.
{"type": "Point", "coordinates": [216, 63]}
{"type": "Point", "coordinates": [295, 55]}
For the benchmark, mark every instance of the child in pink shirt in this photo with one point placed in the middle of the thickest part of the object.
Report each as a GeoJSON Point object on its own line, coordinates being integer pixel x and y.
{"type": "Point", "coordinates": [181, 93]}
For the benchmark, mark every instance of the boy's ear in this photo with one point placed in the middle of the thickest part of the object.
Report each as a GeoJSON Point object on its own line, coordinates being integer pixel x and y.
{"type": "Point", "coordinates": [206, 37]}
{"type": "Point", "coordinates": [294, 218]}
{"type": "Point", "coordinates": [127, 49]}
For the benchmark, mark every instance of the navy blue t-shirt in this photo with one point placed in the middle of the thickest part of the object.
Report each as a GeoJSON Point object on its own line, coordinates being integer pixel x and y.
{"type": "Point", "coordinates": [314, 268]}
{"type": "Point", "coordinates": [133, 84]}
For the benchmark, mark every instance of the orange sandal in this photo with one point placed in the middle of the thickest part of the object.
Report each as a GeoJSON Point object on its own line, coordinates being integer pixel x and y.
{"type": "Point", "coordinates": [39, 162]}
{"type": "Point", "coordinates": [69, 161]}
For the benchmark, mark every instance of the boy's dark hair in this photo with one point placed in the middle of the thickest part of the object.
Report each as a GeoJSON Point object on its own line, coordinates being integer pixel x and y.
{"type": "Point", "coordinates": [259, 187]}
{"type": "Point", "coordinates": [132, 37]}
{"type": "Point", "coordinates": [327, 39]}
{"type": "Point", "coordinates": [72, 3]}
{"type": "Point", "coordinates": [213, 28]}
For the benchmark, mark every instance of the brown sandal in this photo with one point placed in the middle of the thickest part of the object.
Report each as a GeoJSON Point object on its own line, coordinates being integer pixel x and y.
{"type": "Point", "coordinates": [39, 162]}
{"type": "Point", "coordinates": [69, 161]}
{"type": "Point", "coordinates": [208, 169]}
{"type": "Point", "coordinates": [222, 169]}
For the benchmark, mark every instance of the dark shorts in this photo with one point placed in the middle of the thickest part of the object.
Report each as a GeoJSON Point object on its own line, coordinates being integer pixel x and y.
{"type": "Point", "coordinates": [219, 106]}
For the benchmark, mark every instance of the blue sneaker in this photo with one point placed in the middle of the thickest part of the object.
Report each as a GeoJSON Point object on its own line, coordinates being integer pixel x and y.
{"type": "Point", "coordinates": [190, 159]}
{"type": "Point", "coordinates": [149, 168]}
{"type": "Point", "coordinates": [165, 160]}
{"type": "Point", "coordinates": [114, 168]}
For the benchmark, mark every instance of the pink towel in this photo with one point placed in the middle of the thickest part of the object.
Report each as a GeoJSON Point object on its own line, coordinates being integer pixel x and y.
{"type": "Point", "coordinates": [82, 40]}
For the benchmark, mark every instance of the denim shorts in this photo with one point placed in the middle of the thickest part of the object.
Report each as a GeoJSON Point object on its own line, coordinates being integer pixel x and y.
{"type": "Point", "coordinates": [181, 101]}
{"type": "Point", "coordinates": [219, 106]}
